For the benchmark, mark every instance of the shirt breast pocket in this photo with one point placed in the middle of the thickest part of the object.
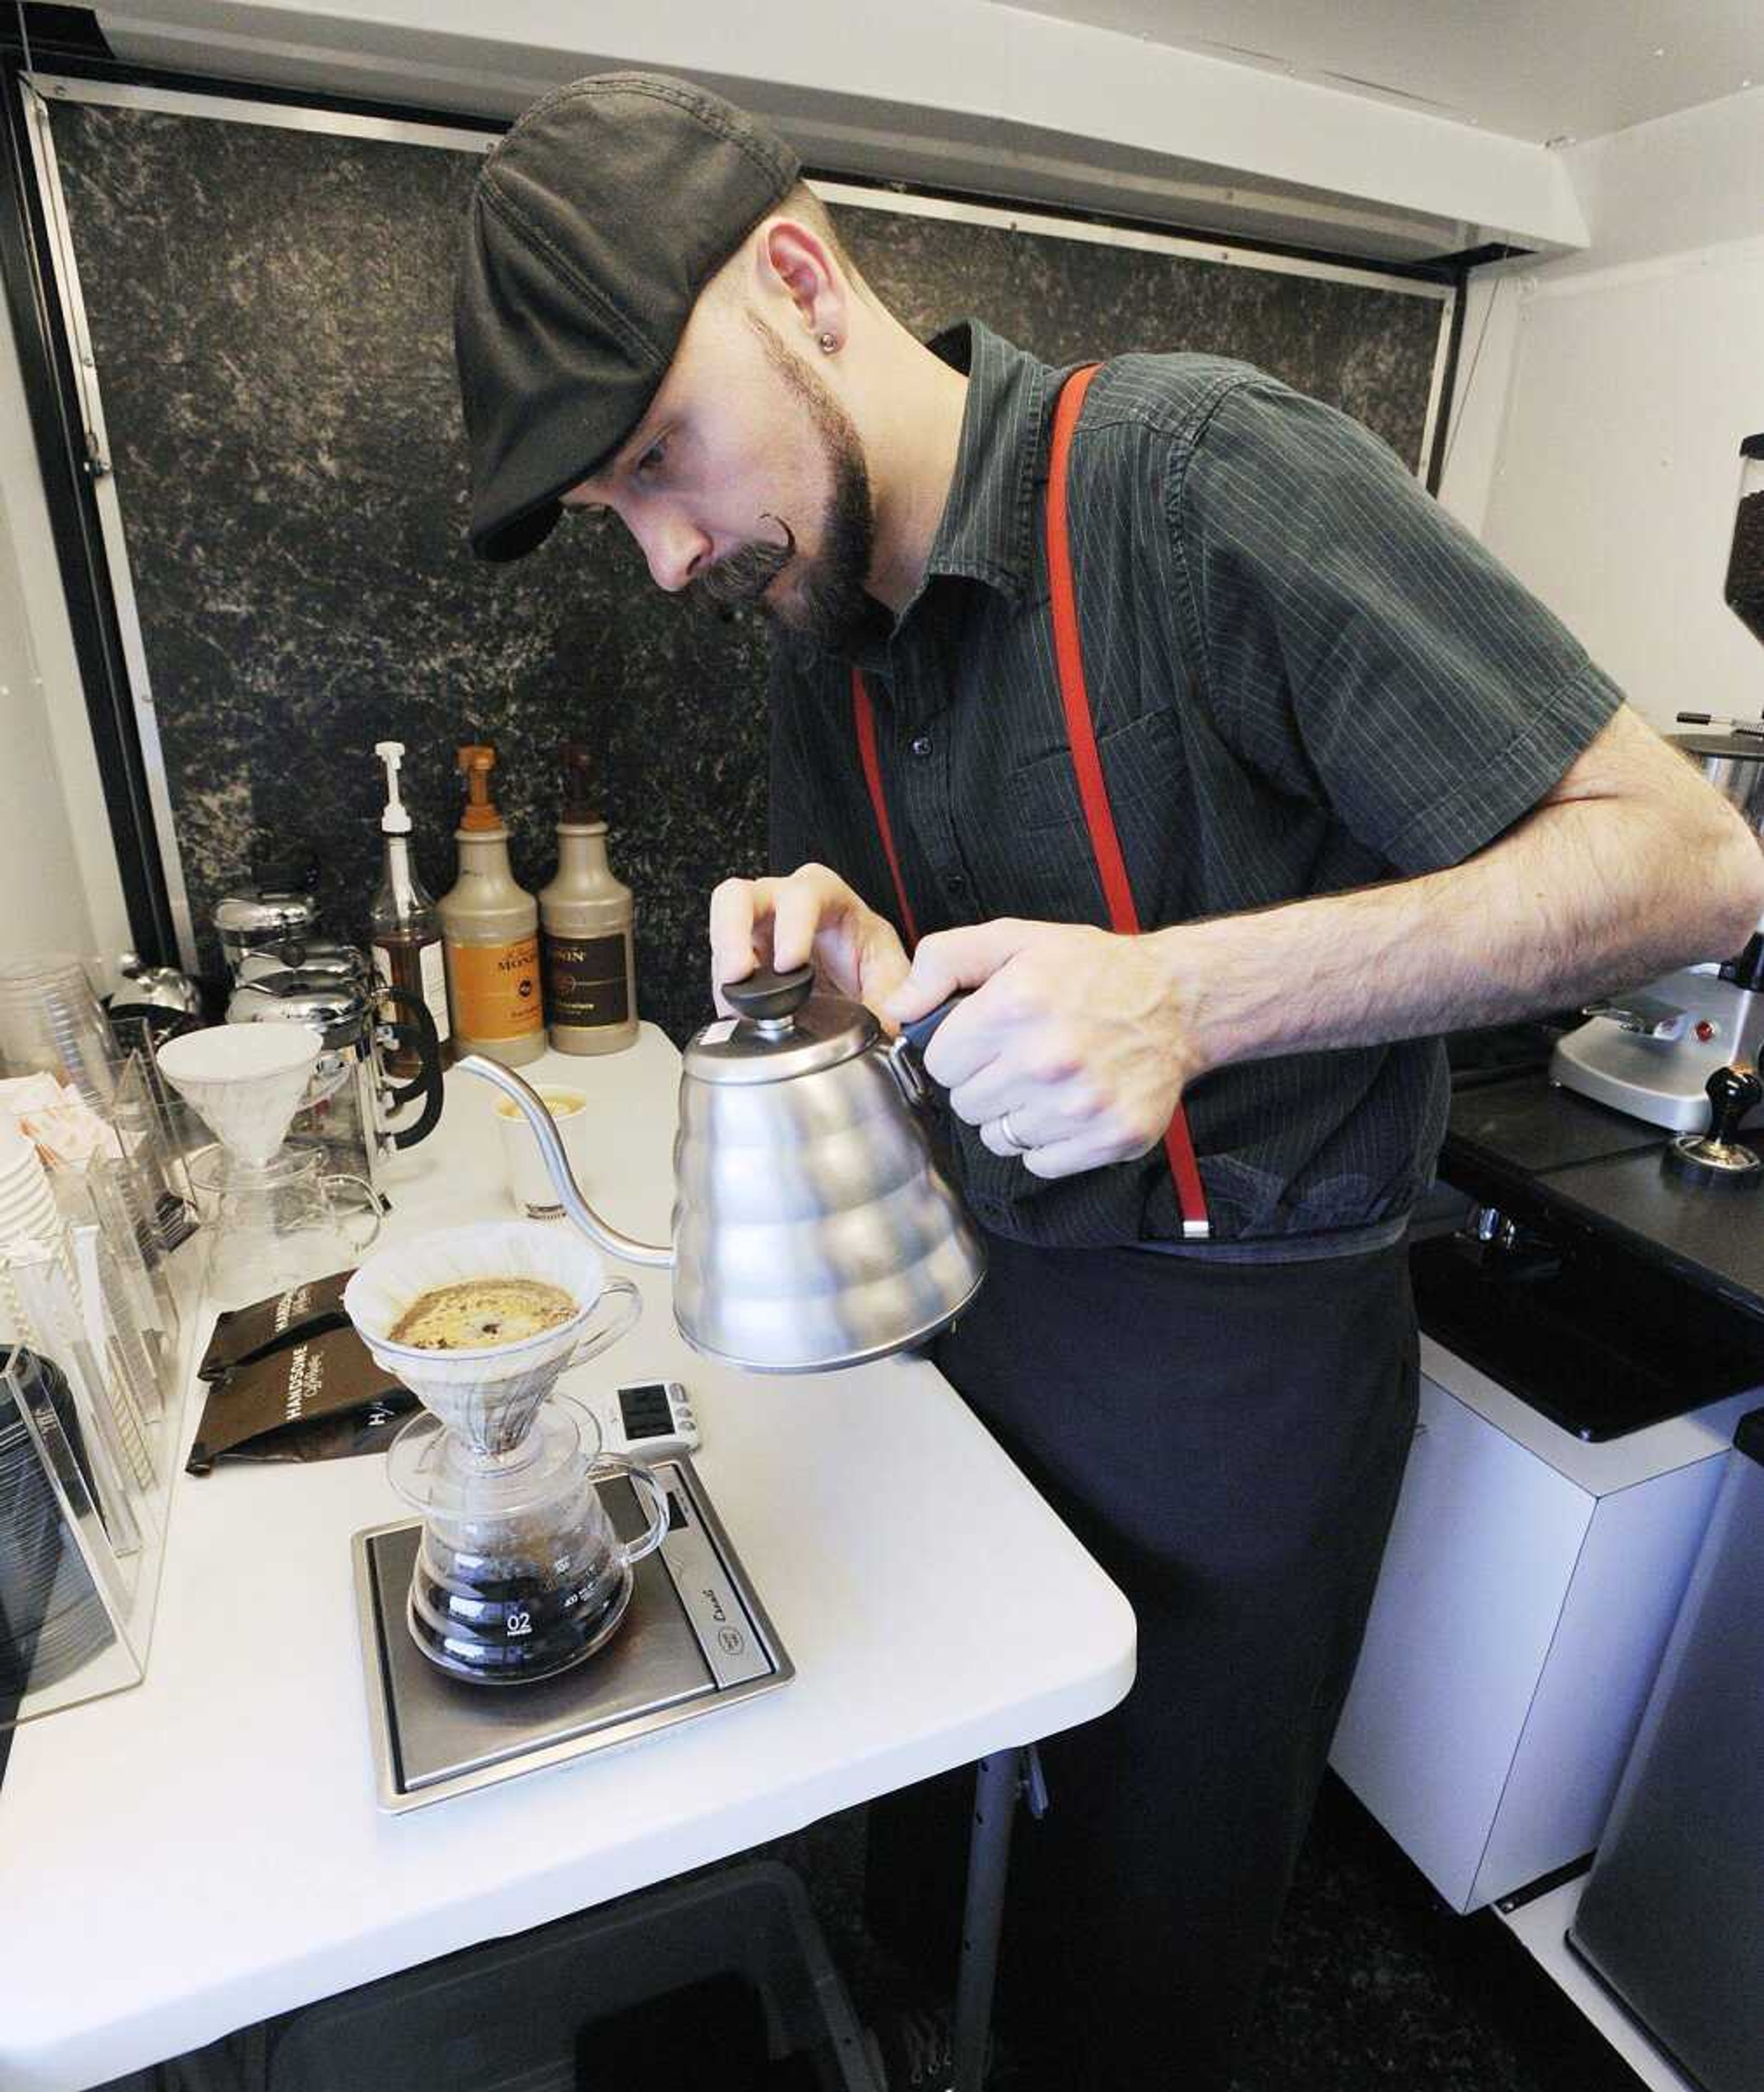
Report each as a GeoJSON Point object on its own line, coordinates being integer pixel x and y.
{"type": "Point", "coordinates": [1052, 862]}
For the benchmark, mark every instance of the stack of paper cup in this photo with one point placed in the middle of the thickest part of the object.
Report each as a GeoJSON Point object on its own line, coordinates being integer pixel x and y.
{"type": "Point", "coordinates": [27, 1212]}
{"type": "Point", "coordinates": [26, 1202]}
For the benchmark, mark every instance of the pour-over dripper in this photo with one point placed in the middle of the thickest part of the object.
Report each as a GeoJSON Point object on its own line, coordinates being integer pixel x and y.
{"type": "Point", "coordinates": [487, 1395]}
{"type": "Point", "coordinates": [246, 1081]}
{"type": "Point", "coordinates": [273, 1218]}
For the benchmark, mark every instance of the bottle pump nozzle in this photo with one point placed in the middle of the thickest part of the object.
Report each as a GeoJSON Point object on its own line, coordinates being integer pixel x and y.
{"type": "Point", "coordinates": [395, 820]}
{"type": "Point", "coordinates": [477, 761]}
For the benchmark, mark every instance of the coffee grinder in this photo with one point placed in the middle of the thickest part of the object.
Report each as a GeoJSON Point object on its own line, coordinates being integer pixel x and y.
{"type": "Point", "coordinates": [1655, 1052]}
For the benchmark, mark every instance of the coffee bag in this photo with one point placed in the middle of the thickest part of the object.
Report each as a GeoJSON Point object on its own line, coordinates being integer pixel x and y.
{"type": "Point", "coordinates": [242, 1335]}
{"type": "Point", "coordinates": [320, 1398]}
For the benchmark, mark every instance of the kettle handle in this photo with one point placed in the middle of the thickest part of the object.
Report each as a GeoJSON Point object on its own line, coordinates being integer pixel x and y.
{"type": "Point", "coordinates": [906, 1055]}
{"type": "Point", "coordinates": [919, 1033]}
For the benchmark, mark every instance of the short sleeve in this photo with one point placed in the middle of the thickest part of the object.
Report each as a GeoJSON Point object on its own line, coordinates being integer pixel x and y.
{"type": "Point", "coordinates": [1360, 648]}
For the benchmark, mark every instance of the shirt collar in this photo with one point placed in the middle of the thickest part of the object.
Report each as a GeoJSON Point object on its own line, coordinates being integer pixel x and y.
{"type": "Point", "coordinates": [986, 532]}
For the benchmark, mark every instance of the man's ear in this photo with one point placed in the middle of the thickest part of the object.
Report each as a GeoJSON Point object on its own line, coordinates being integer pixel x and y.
{"type": "Point", "coordinates": [791, 261]}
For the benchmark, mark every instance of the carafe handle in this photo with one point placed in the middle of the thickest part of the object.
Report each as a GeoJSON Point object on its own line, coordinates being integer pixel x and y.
{"type": "Point", "coordinates": [631, 1552]}
{"type": "Point", "coordinates": [369, 1210]}
{"type": "Point", "coordinates": [594, 1342]}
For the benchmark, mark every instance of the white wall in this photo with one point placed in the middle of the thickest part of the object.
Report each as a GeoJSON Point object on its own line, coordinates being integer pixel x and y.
{"type": "Point", "coordinates": [59, 889]}
{"type": "Point", "coordinates": [1599, 451]}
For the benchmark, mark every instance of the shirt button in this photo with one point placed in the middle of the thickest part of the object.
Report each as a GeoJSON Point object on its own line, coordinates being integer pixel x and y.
{"type": "Point", "coordinates": [956, 883]}
{"type": "Point", "coordinates": [921, 744]}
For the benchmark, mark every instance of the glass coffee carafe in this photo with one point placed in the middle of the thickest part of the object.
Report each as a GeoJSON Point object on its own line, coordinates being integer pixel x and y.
{"type": "Point", "coordinates": [518, 1574]}
{"type": "Point", "coordinates": [273, 1225]}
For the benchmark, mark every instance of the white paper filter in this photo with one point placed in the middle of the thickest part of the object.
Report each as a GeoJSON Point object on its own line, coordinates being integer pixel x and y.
{"type": "Point", "coordinates": [246, 1080]}
{"type": "Point", "coordinates": [487, 1395]}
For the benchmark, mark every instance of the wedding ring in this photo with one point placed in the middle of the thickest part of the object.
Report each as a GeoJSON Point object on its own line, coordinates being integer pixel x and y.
{"type": "Point", "coordinates": [1009, 1134]}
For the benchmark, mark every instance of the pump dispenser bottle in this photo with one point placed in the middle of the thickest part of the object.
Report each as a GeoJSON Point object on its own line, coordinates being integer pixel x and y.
{"type": "Point", "coordinates": [490, 926]}
{"type": "Point", "coordinates": [585, 932]}
{"type": "Point", "coordinates": [405, 925]}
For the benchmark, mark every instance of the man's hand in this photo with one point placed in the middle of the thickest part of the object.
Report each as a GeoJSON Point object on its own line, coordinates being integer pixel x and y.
{"type": "Point", "coordinates": [1078, 1035]}
{"type": "Point", "coordinates": [813, 914]}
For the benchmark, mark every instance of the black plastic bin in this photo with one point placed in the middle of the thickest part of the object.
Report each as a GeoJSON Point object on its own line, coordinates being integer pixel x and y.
{"type": "Point", "coordinates": [505, 2017]}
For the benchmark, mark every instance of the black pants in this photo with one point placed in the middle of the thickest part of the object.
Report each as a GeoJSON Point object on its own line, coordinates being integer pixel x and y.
{"type": "Point", "coordinates": [1229, 1441]}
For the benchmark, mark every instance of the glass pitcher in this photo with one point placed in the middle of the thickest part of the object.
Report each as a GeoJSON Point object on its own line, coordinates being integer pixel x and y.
{"type": "Point", "coordinates": [519, 1574]}
{"type": "Point", "coordinates": [275, 1224]}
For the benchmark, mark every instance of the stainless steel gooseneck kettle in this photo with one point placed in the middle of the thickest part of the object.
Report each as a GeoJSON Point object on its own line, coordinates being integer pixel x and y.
{"type": "Point", "coordinates": [812, 1228]}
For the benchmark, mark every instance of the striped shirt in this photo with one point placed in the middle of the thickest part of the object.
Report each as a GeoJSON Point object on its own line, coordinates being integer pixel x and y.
{"type": "Point", "coordinates": [1305, 678]}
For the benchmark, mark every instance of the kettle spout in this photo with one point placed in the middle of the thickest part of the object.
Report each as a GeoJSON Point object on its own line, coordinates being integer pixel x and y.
{"type": "Point", "coordinates": [557, 1165]}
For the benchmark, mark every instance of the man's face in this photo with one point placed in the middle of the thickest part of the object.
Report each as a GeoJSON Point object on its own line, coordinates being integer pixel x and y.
{"type": "Point", "coordinates": [746, 481]}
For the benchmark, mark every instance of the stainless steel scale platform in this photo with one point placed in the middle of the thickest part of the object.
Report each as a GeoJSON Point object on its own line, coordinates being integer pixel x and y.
{"type": "Point", "coordinates": [696, 1638]}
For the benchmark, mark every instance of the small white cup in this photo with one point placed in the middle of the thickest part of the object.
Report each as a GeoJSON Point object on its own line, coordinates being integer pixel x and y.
{"type": "Point", "coordinates": [530, 1190]}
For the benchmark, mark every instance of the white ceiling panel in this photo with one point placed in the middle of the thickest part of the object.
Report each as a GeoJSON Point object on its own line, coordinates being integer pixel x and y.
{"type": "Point", "coordinates": [1558, 70]}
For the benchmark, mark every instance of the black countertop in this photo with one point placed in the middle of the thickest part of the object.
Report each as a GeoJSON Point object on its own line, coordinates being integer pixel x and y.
{"type": "Point", "coordinates": [1563, 1154]}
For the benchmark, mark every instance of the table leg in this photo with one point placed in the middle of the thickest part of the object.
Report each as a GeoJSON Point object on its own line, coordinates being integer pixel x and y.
{"type": "Point", "coordinates": [997, 1781]}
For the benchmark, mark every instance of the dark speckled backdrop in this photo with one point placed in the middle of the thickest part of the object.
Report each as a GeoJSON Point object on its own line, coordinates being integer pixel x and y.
{"type": "Point", "coordinates": [270, 311]}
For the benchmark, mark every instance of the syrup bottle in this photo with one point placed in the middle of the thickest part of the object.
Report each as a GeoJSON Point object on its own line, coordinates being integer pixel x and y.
{"type": "Point", "coordinates": [491, 927]}
{"type": "Point", "coordinates": [404, 926]}
{"type": "Point", "coordinates": [585, 930]}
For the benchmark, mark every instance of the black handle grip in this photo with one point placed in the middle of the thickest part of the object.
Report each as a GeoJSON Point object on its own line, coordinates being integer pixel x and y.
{"type": "Point", "coordinates": [922, 1030]}
{"type": "Point", "coordinates": [421, 1035]}
{"type": "Point", "coordinates": [765, 994]}
{"type": "Point", "coordinates": [1732, 1093]}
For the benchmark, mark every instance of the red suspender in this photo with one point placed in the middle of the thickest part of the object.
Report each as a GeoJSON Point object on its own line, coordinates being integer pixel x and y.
{"type": "Point", "coordinates": [1093, 791]}
{"type": "Point", "coordinates": [1123, 917]}
{"type": "Point", "coordinates": [863, 719]}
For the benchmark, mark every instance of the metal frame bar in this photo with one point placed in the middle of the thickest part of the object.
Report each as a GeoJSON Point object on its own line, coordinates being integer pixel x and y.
{"type": "Point", "coordinates": [50, 393]}
{"type": "Point", "coordinates": [998, 1782]}
{"type": "Point", "coordinates": [109, 514]}
{"type": "Point", "coordinates": [1225, 254]}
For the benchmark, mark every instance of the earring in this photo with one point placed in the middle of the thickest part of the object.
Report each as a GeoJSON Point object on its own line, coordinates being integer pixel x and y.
{"type": "Point", "coordinates": [828, 342]}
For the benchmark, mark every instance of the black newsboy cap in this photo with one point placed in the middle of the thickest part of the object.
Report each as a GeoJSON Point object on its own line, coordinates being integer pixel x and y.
{"type": "Point", "coordinates": [593, 226]}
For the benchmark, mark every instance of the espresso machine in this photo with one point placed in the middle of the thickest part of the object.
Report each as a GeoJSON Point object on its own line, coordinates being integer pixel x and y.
{"type": "Point", "coordinates": [1654, 1052]}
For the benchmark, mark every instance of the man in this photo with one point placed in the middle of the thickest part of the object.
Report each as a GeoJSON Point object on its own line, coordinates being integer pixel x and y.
{"type": "Point", "coordinates": [1350, 787]}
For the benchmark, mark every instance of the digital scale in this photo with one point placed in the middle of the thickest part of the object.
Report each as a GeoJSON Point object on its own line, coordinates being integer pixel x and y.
{"type": "Point", "coordinates": [696, 1638]}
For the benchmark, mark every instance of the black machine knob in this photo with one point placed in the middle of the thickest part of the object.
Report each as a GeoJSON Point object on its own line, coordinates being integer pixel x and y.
{"type": "Point", "coordinates": [1732, 1093]}
{"type": "Point", "coordinates": [765, 995]}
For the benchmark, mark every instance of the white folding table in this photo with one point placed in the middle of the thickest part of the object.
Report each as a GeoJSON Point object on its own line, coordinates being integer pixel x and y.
{"type": "Point", "coordinates": [205, 1850]}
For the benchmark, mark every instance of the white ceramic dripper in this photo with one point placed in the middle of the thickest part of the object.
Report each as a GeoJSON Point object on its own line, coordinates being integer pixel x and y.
{"type": "Point", "coordinates": [486, 1395]}
{"type": "Point", "coordinates": [246, 1080]}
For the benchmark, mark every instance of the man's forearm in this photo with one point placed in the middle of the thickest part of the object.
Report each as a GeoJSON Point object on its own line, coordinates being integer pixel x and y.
{"type": "Point", "coordinates": [1579, 899]}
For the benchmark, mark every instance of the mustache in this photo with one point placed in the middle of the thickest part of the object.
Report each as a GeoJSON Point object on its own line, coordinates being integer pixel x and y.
{"type": "Point", "coordinates": [743, 577]}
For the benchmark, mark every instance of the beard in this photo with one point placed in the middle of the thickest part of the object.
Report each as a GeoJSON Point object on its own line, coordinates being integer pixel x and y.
{"type": "Point", "coordinates": [826, 603]}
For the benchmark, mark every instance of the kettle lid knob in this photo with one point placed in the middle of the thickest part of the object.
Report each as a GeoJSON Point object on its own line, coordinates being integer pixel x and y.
{"type": "Point", "coordinates": [765, 995]}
